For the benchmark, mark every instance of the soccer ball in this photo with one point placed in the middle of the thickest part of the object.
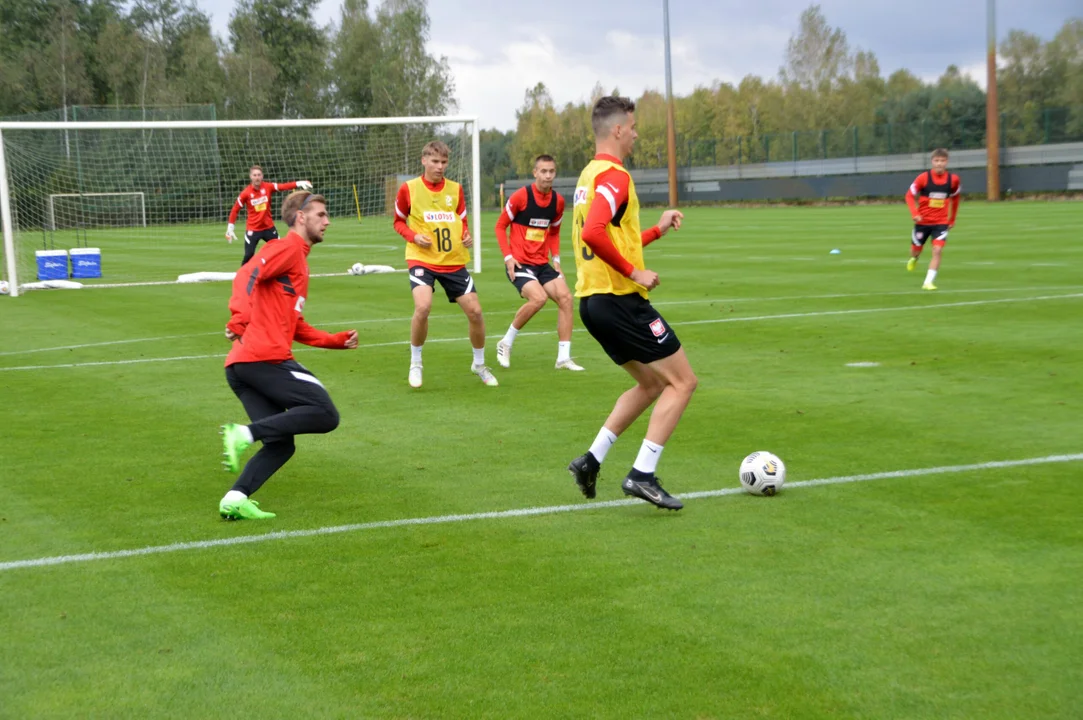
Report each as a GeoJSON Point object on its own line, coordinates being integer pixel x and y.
{"type": "Point", "coordinates": [4, 287]}
{"type": "Point", "coordinates": [357, 269]}
{"type": "Point", "coordinates": [762, 473]}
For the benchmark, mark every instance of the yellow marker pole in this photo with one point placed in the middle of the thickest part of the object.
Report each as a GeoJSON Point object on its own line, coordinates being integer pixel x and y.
{"type": "Point", "coordinates": [501, 194]}
{"type": "Point", "coordinates": [357, 203]}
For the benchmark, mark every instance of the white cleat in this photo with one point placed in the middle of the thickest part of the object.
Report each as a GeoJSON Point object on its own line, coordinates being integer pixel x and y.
{"type": "Point", "coordinates": [503, 354]}
{"type": "Point", "coordinates": [415, 376]}
{"type": "Point", "coordinates": [569, 364]}
{"type": "Point", "coordinates": [485, 374]}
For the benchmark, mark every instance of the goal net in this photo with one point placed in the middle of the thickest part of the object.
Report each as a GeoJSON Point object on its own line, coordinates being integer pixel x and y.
{"type": "Point", "coordinates": [155, 197]}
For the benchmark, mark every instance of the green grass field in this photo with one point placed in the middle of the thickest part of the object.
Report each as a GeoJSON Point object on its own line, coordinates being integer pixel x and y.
{"type": "Point", "coordinates": [951, 594]}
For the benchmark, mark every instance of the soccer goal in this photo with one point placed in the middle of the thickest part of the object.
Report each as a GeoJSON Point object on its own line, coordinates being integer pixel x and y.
{"type": "Point", "coordinates": [155, 196]}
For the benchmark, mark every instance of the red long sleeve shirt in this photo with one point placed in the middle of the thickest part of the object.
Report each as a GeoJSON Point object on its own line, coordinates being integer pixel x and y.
{"type": "Point", "coordinates": [611, 197]}
{"type": "Point", "coordinates": [267, 304]}
{"type": "Point", "coordinates": [402, 211]}
{"type": "Point", "coordinates": [933, 209]}
{"type": "Point", "coordinates": [524, 251]}
{"type": "Point", "coordinates": [258, 215]}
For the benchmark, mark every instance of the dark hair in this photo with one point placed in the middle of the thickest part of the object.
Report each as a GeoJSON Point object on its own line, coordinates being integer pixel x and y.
{"type": "Point", "coordinates": [606, 109]}
{"type": "Point", "coordinates": [296, 202]}
{"type": "Point", "coordinates": [255, 167]}
{"type": "Point", "coordinates": [544, 157]}
{"type": "Point", "coordinates": [940, 152]}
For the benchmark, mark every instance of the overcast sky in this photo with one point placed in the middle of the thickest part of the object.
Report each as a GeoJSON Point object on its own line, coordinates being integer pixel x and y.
{"type": "Point", "coordinates": [496, 54]}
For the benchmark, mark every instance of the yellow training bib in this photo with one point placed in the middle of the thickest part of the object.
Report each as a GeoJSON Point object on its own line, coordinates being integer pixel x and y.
{"type": "Point", "coordinates": [593, 275]}
{"type": "Point", "coordinates": [435, 215]}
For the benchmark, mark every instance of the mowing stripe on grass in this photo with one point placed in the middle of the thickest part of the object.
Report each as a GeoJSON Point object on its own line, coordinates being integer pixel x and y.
{"type": "Point", "coordinates": [712, 321]}
{"type": "Point", "coordinates": [504, 514]}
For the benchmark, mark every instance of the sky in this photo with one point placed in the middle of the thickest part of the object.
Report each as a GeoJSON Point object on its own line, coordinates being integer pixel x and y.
{"type": "Point", "coordinates": [498, 49]}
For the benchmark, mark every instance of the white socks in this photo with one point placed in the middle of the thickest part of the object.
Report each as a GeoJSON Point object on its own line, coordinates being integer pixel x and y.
{"type": "Point", "coordinates": [647, 460]}
{"type": "Point", "coordinates": [930, 276]}
{"type": "Point", "coordinates": [234, 496]}
{"type": "Point", "coordinates": [509, 336]}
{"type": "Point", "coordinates": [600, 447]}
{"type": "Point", "coordinates": [479, 356]}
{"type": "Point", "coordinates": [415, 354]}
{"type": "Point", "coordinates": [564, 351]}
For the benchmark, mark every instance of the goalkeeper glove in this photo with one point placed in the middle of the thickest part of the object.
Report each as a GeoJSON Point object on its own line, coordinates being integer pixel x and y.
{"type": "Point", "coordinates": [304, 184]}
{"type": "Point", "coordinates": [230, 235]}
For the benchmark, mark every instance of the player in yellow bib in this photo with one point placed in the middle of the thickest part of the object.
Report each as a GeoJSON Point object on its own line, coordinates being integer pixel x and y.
{"type": "Point", "coordinates": [612, 283]}
{"type": "Point", "coordinates": [430, 214]}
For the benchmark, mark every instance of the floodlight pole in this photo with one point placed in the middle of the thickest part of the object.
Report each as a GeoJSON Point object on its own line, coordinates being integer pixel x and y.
{"type": "Point", "coordinates": [671, 122]}
{"type": "Point", "coordinates": [992, 115]}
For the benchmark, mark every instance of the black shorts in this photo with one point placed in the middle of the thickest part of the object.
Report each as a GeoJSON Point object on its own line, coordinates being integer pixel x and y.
{"type": "Point", "coordinates": [628, 328]}
{"type": "Point", "coordinates": [266, 389]}
{"type": "Point", "coordinates": [455, 284]}
{"type": "Point", "coordinates": [923, 233]}
{"type": "Point", "coordinates": [525, 274]}
{"type": "Point", "coordinates": [252, 238]}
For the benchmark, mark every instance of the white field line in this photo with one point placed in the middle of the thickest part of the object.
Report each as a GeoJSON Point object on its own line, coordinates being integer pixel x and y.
{"type": "Point", "coordinates": [505, 514]}
{"type": "Point", "coordinates": [663, 303]}
{"type": "Point", "coordinates": [712, 321]}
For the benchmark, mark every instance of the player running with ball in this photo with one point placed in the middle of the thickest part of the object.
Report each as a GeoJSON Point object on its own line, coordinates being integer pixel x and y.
{"type": "Point", "coordinates": [430, 214]}
{"type": "Point", "coordinates": [281, 397]}
{"type": "Point", "coordinates": [259, 220]}
{"type": "Point", "coordinates": [933, 199]}
{"type": "Point", "coordinates": [612, 284]}
{"type": "Point", "coordinates": [535, 213]}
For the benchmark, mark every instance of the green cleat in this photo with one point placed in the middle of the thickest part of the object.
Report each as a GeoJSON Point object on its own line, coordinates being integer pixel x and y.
{"type": "Point", "coordinates": [911, 264]}
{"type": "Point", "coordinates": [234, 443]}
{"type": "Point", "coordinates": [242, 510]}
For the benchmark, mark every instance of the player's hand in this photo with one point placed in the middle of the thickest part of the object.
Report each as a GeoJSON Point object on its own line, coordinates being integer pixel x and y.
{"type": "Point", "coordinates": [304, 184]}
{"type": "Point", "coordinates": [670, 219]}
{"type": "Point", "coordinates": [917, 219]}
{"type": "Point", "coordinates": [230, 335]}
{"type": "Point", "coordinates": [468, 239]}
{"type": "Point", "coordinates": [351, 340]}
{"type": "Point", "coordinates": [230, 235]}
{"type": "Point", "coordinates": [512, 266]}
{"type": "Point", "coordinates": [556, 266]}
{"type": "Point", "coordinates": [422, 241]}
{"type": "Point", "coordinates": [647, 278]}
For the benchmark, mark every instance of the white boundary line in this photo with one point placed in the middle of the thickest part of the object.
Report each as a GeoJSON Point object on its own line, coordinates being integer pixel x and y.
{"type": "Point", "coordinates": [503, 514]}
{"type": "Point", "coordinates": [712, 321]}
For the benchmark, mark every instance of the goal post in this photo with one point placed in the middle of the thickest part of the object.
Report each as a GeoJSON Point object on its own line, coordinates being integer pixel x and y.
{"type": "Point", "coordinates": [155, 196]}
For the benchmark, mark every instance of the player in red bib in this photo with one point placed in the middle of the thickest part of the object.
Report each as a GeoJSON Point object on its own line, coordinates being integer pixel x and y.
{"type": "Point", "coordinates": [259, 220]}
{"type": "Point", "coordinates": [933, 199]}
{"type": "Point", "coordinates": [282, 397]}
{"type": "Point", "coordinates": [534, 214]}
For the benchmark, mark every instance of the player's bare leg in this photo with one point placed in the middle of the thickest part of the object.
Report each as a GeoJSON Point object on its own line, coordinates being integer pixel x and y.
{"type": "Point", "coordinates": [419, 330]}
{"type": "Point", "coordinates": [630, 405]}
{"type": "Point", "coordinates": [535, 298]}
{"type": "Point", "coordinates": [558, 292]}
{"type": "Point", "coordinates": [472, 308]}
{"type": "Point", "coordinates": [934, 265]}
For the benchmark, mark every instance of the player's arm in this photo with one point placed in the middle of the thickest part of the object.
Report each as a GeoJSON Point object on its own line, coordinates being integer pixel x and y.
{"type": "Point", "coordinates": [552, 238]}
{"type": "Point", "coordinates": [308, 335]}
{"type": "Point", "coordinates": [234, 211]}
{"type": "Point", "coordinates": [287, 186]}
{"type": "Point", "coordinates": [402, 211]}
{"type": "Point", "coordinates": [671, 219]}
{"type": "Point", "coordinates": [468, 239]}
{"type": "Point", "coordinates": [912, 197]}
{"type": "Point", "coordinates": [512, 207]}
{"type": "Point", "coordinates": [956, 198]}
{"type": "Point", "coordinates": [240, 303]}
{"type": "Point", "coordinates": [611, 191]}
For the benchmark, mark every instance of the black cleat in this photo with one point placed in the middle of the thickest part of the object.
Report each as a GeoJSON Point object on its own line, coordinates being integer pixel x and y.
{"type": "Point", "coordinates": [585, 469]}
{"type": "Point", "coordinates": [646, 487]}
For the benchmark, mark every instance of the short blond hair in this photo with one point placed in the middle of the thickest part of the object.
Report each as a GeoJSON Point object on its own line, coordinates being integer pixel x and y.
{"type": "Point", "coordinates": [295, 202]}
{"type": "Point", "coordinates": [436, 147]}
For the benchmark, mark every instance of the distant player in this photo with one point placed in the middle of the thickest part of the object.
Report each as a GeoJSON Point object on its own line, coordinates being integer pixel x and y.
{"type": "Point", "coordinates": [282, 398]}
{"type": "Point", "coordinates": [535, 213]}
{"type": "Point", "coordinates": [259, 220]}
{"type": "Point", "coordinates": [612, 285]}
{"type": "Point", "coordinates": [933, 199]}
{"type": "Point", "coordinates": [430, 214]}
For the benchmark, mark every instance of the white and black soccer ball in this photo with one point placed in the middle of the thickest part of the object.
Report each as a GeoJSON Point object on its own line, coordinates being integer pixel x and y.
{"type": "Point", "coordinates": [4, 287]}
{"type": "Point", "coordinates": [762, 473]}
{"type": "Point", "coordinates": [357, 269]}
